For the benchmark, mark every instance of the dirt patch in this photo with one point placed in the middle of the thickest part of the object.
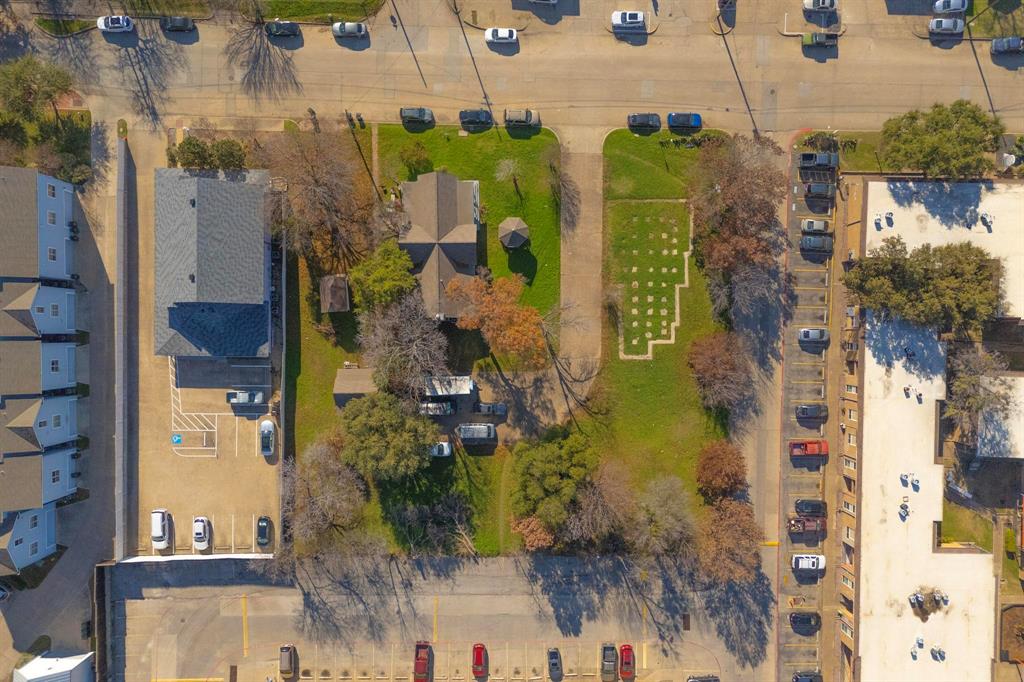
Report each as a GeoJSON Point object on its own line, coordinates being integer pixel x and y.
{"type": "Point", "coordinates": [1011, 634]}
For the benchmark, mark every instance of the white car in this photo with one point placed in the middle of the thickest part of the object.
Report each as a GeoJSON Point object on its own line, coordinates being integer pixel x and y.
{"type": "Point", "coordinates": [821, 5]}
{"type": "Point", "coordinates": [814, 226]}
{"type": "Point", "coordinates": [808, 562]}
{"type": "Point", "coordinates": [624, 20]}
{"type": "Point", "coordinates": [946, 26]}
{"type": "Point", "coordinates": [441, 449]}
{"type": "Point", "coordinates": [266, 438]}
{"type": "Point", "coordinates": [201, 533]}
{"type": "Point", "coordinates": [348, 29]}
{"type": "Point", "coordinates": [949, 6]}
{"type": "Point", "coordinates": [501, 35]}
{"type": "Point", "coordinates": [813, 335]}
{"type": "Point", "coordinates": [115, 23]}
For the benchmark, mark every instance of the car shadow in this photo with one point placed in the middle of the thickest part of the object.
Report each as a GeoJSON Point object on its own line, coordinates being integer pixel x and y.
{"type": "Point", "coordinates": [945, 42]}
{"type": "Point", "coordinates": [635, 38]}
{"type": "Point", "coordinates": [909, 7]}
{"type": "Point", "coordinates": [806, 577]}
{"type": "Point", "coordinates": [287, 42]}
{"type": "Point", "coordinates": [478, 128]}
{"type": "Point", "coordinates": [818, 205]}
{"type": "Point", "coordinates": [549, 14]}
{"type": "Point", "coordinates": [1011, 62]}
{"type": "Point", "coordinates": [810, 422]}
{"type": "Point", "coordinates": [354, 44]}
{"type": "Point", "coordinates": [809, 463]}
{"type": "Point", "coordinates": [182, 37]}
{"type": "Point", "coordinates": [126, 40]}
{"type": "Point", "coordinates": [814, 256]}
{"type": "Point", "coordinates": [418, 127]}
{"type": "Point", "coordinates": [644, 132]}
{"type": "Point", "coordinates": [522, 132]}
{"type": "Point", "coordinates": [504, 49]}
{"type": "Point", "coordinates": [823, 19]}
{"type": "Point", "coordinates": [821, 54]}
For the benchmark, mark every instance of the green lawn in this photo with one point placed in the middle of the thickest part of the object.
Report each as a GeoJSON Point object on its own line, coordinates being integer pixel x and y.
{"type": "Point", "coordinates": [70, 141]}
{"type": "Point", "coordinates": [322, 11]}
{"type": "Point", "coordinates": [995, 19]}
{"type": "Point", "coordinates": [63, 27]}
{"type": "Point", "coordinates": [863, 156]}
{"type": "Point", "coordinates": [475, 157]}
{"type": "Point", "coordinates": [654, 420]}
{"type": "Point", "coordinates": [960, 524]}
{"type": "Point", "coordinates": [180, 8]}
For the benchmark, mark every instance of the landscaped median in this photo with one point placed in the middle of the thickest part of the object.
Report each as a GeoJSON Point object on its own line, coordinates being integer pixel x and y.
{"type": "Point", "coordinates": [63, 27]}
{"type": "Point", "coordinates": [320, 11]}
{"type": "Point", "coordinates": [995, 18]}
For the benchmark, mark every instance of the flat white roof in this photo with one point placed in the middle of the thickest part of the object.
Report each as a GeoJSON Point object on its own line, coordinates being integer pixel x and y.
{"type": "Point", "coordinates": [48, 668]}
{"type": "Point", "coordinates": [937, 213]}
{"type": "Point", "coordinates": [1004, 437]}
{"type": "Point", "coordinates": [896, 556]}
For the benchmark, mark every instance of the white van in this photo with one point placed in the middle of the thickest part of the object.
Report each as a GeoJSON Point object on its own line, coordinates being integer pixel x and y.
{"type": "Point", "coordinates": [159, 528]}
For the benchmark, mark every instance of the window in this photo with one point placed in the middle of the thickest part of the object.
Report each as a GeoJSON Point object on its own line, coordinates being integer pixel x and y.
{"type": "Point", "coordinates": [851, 439]}
{"type": "Point", "coordinates": [40, 309]}
{"type": "Point", "coordinates": [51, 218]}
{"type": "Point", "coordinates": [54, 310]}
{"type": "Point", "coordinates": [42, 424]}
{"type": "Point", "coordinates": [56, 421]}
{"type": "Point", "coordinates": [847, 580]}
{"type": "Point", "coordinates": [849, 533]}
{"type": "Point", "coordinates": [33, 521]}
{"type": "Point", "coordinates": [51, 191]}
{"type": "Point", "coordinates": [55, 476]}
{"type": "Point", "coordinates": [850, 463]}
{"type": "Point", "coordinates": [849, 507]}
{"type": "Point", "coordinates": [851, 388]}
{"type": "Point", "coordinates": [847, 630]}
{"type": "Point", "coordinates": [17, 543]}
{"type": "Point", "coordinates": [51, 254]}
{"type": "Point", "coordinates": [55, 366]}
{"type": "Point", "coordinates": [852, 414]}
{"type": "Point", "coordinates": [33, 549]}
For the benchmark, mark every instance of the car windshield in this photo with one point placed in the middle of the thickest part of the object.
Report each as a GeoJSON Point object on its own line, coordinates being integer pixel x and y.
{"type": "Point", "coordinates": [115, 21]}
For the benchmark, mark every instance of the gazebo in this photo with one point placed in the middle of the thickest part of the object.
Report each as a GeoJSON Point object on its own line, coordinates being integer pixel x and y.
{"type": "Point", "coordinates": [513, 232]}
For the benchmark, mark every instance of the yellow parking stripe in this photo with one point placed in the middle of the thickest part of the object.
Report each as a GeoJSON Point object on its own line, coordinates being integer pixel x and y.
{"type": "Point", "coordinates": [245, 626]}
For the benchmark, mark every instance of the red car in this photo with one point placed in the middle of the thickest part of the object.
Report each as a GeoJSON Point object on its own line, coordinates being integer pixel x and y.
{"type": "Point", "coordinates": [627, 664]}
{"type": "Point", "coordinates": [479, 660]}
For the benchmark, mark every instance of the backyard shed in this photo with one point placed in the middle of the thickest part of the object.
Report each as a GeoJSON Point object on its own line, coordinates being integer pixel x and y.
{"type": "Point", "coordinates": [334, 294]}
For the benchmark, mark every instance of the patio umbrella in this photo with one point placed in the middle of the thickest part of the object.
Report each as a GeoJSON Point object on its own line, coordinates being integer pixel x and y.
{"type": "Point", "coordinates": [513, 232]}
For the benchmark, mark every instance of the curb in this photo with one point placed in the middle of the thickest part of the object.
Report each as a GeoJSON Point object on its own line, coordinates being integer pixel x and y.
{"type": "Point", "coordinates": [626, 34]}
{"type": "Point", "coordinates": [719, 22]}
{"type": "Point", "coordinates": [791, 34]}
{"type": "Point", "coordinates": [943, 37]}
{"type": "Point", "coordinates": [59, 36]}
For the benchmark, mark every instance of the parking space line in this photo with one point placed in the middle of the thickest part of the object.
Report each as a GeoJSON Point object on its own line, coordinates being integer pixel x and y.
{"type": "Point", "coordinates": [245, 626]}
{"type": "Point", "coordinates": [436, 599]}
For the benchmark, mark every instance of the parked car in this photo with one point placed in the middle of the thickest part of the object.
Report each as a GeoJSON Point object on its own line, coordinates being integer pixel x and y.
{"type": "Point", "coordinates": [267, 437]}
{"type": "Point", "coordinates": [628, 21]}
{"type": "Point", "coordinates": [115, 23]}
{"type": "Point", "coordinates": [475, 118]}
{"type": "Point", "coordinates": [244, 397]}
{"type": "Point", "coordinates": [479, 660]}
{"type": "Point", "coordinates": [1008, 45]}
{"type": "Point", "coordinates": [437, 408]}
{"type": "Point", "coordinates": [644, 121]}
{"type": "Point", "coordinates": [521, 118]}
{"type": "Point", "coordinates": [544, 2]}
{"type": "Point", "coordinates": [808, 448]}
{"type": "Point", "coordinates": [820, 189]}
{"type": "Point", "coordinates": [496, 409]}
{"type": "Point", "coordinates": [278, 28]}
{"type": "Point", "coordinates": [819, 39]}
{"type": "Point", "coordinates": [812, 411]}
{"type": "Point", "coordinates": [822, 243]}
{"type": "Point", "coordinates": [680, 120]}
{"type": "Point", "coordinates": [609, 662]}
{"type": "Point", "coordinates": [805, 525]}
{"type": "Point", "coordinates": [949, 6]}
{"type": "Point", "coordinates": [627, 662]}
{"type": "Point", "coordinates": [818, 508]}
{"type": "Point", "coordinates": [808, 562]}
{"type": "Point", "coordinates": [809, 160]}
{"type": "Point", "coordinates": [263, 531]}
{"type": "Point", "coordinates": [807, 676]}
{"type": "Point", "coordinates": [813, 335]}
{"type": "Point", "coordinates": [472, 434]}
{"type": "Point", "coordinates": [172, 24]}
{"type": "Point", "coordinates": [286, 661]}
{"type": "Point", "coordinates": [201, 533]}
{"type": "Point", "coordinates": [702, 678]}
{"type": "Point", "coordinates": [804, 620]}
{"type": "Point", "coordinates": [554, 664]}
{"type": "Point", "coordinates": [423, 663]}
{"type": "Point", "coordinates": [814, 226]}
{"type": "Point", "coordinates": [500, 35]}
{"type": "Point", "coordinates": [821, 5]}
{"type": "Point", "coordinates": [946, 26]}
{"type": "Point", "coordinates": [441, 449]}
{"type": "Point", "coordinates": [349, 29]}
{"type": "Point", "coordinates": [160, 528]}
{"type": "Point", "coordinates": [420, 115]}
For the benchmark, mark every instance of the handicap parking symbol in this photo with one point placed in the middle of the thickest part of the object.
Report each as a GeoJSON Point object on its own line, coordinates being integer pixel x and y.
{"type": "Point", "coordinates": [175, 439]}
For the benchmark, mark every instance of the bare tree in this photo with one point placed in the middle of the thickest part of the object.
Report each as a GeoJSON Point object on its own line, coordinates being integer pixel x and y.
{"type": "Point", "coordinates": [976, 387]}
{"type": "Point", "coordinates": [722, 368]}
{"type": "Point", "coordinates": [322, 497]}
{"type": "Point", "coordinates": [332, 207]}
{"type": "Point", "coordinates": [402, 343]}
{"type": "Point", "coordinates": [437, 528]}
{"type": "Point", "coordinates": [664, 525]}
{"type": "Point", "coordinates": [603, 508]}
{"type": "Point", "coordinates": [509, 169]}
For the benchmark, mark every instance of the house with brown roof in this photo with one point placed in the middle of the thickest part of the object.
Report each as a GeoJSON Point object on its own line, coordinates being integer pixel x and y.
{"type": "Point", "coordinates": [37, 227]}
{"type": "Point", "coordinates": [441, 236]}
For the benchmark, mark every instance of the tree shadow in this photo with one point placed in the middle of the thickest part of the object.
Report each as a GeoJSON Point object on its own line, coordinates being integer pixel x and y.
{"type": "Point", "coordinates": [147, 68]}
{"type": "Point", "coordinates": [522, 261]}
{"type": "Point", "coordinates": [743, 615]}
{"type": "Point", "coordinates": [916, 348]}
{"type": "Point", "coordinates": [100, 145]}
{"type": "Point", "coordinates": [952, 204]}
{"type": "Point", "coordinates": [268, 71]}
{"type": "Point", "coordinates": [14, 37]}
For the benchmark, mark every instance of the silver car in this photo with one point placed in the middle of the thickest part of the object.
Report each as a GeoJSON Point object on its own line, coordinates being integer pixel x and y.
{"type": "Point", "coordinates": [813, 335]}
{"type": "Point", "coordinates": [814, 226]}
{"type": "Point", "coordinates": [266, 438]}
{"type": "Point", "coordinates": [949, 6]}
{"type": "Point", "coordinates": [946, 26]}
{"type": "Point", "coordinates": [348, 29]}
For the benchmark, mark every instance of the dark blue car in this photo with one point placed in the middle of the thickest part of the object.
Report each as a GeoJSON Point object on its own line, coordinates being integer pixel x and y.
{"type": "Point", "coordinates": [684, 121]}
{"type": "Point", "coordinates": [475, 118]}
{"type": "Point", "coordinates": [1008, 45]}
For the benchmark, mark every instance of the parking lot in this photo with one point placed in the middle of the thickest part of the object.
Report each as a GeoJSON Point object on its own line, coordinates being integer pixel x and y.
{"type": "Point", "coordinates": [805, 377]}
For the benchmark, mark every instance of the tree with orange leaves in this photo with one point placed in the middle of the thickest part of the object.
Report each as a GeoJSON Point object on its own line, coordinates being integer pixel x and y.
{"type": "Point", "coordinates": [493, 307]}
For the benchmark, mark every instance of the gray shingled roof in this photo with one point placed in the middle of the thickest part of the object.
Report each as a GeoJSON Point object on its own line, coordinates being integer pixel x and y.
{"type": "Point", "coordinates": [21, 482]}
{"type": "Point", "coordinates": [441, 239]}
{"type": "Point", "coordinates": [19, 223]}
{"type": "Point", "coordinates": [211, 264]}
{"type": "Point", "coordinates": [20, 367]}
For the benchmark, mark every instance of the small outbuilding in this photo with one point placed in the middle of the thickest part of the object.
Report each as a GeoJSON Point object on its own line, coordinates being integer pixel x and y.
{"type": "Point", "coordinates": [49, 668]}
{"type": "Point", "coordinates": [353, 382]}
{"type": "Point", "coordinates": [513, 232]}
{"type": "Point", "coordinates": [334, 294]}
